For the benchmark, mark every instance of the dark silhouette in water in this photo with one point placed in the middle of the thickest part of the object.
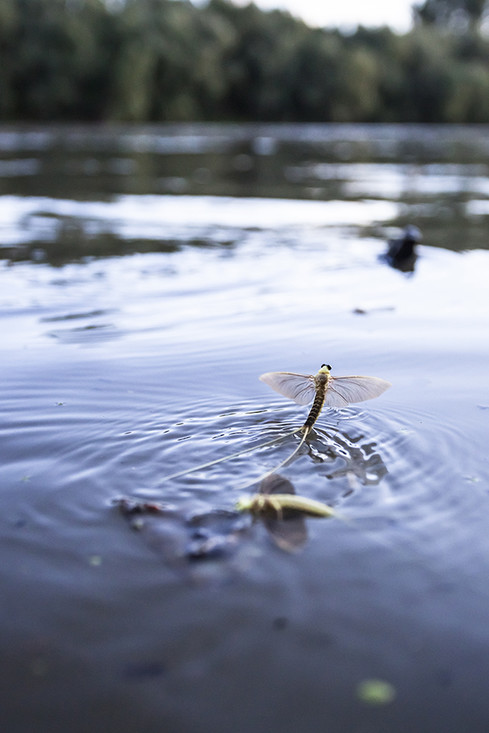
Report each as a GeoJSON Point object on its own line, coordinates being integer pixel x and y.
{"type": "Point", "coordinates": [401, 252]}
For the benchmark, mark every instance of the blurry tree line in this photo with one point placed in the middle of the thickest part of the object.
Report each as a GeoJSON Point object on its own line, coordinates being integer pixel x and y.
{"type": "Point", "coordinates": [168, 60]}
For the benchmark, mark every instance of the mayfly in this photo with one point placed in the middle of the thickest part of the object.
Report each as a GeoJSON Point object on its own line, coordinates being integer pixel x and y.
{"type": "Point", "coordinates": [322, 389]}
{"type": "Point", "coordinates": [279, 504]}
{"type": "Point", "coordinates": [283, 512]}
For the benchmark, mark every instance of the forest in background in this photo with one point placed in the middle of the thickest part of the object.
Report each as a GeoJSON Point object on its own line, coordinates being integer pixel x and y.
{"type": "Point", "coordinates": [167, 60]}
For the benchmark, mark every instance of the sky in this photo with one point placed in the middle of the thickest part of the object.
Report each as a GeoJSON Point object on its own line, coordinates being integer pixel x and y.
{"type": "Point", "coordinates": [345, 14]}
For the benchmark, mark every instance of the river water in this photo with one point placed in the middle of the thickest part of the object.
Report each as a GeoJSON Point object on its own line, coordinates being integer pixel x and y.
{"type": "Point", "coordinates": [148, 276]}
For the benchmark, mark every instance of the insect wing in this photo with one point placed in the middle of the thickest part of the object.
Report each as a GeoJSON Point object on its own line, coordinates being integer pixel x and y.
{"type": "Point", "coordinates": [276, 484]}
{"type": "Point", "coordinates": [344, 390]}
{"type": "Point", "coordinates": [291, 535]}
{"type": "Point", "coordinates": [297, 387]}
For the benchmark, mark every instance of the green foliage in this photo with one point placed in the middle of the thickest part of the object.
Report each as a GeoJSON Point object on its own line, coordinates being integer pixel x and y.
{"type": "Point", "coordinates": [54, 58]}
{"type": "Point", "coordinates": [158, 60]}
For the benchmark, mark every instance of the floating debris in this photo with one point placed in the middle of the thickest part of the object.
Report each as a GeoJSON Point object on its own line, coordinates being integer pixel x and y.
{"type": "Point", "coordinates": [367, 311]}
{"type": "Point", "coordinates": [376, 692]}
{"type": "Point", "coordinates": [182, 537]}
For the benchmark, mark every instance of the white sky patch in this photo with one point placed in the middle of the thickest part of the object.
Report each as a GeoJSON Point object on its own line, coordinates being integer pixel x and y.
{"type": "Point", "coordinates": [346, 14]}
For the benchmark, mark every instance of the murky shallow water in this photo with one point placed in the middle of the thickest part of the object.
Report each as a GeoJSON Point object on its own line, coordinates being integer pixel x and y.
{"type": "Point", "coordinates": [149, 277]}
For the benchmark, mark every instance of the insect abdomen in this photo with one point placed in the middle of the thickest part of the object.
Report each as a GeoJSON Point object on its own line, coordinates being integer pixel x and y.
{"type": "Point", "coordinates": [281, 505]}
{"type": "Point", "coordinates": [316, 408]}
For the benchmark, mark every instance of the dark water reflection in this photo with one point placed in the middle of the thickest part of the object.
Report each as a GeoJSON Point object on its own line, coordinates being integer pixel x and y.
{"type": "Point", "coordinates": [148, 276]}
{"type": "Point", "coordinates": [435, 176]}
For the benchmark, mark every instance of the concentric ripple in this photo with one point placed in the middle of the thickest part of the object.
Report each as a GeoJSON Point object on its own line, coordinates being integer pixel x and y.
{"type": "Point", "coordinates": [398, 473]}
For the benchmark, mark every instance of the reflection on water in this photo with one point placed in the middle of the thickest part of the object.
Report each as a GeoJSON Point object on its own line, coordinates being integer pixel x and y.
{"type": "Point", "coordinates": [133, 190]}
{"type": "Point", "coordinates": [360, 462]}
{"type": "Point", "coordinates": [59, 231]}
{"type": "Point", "coordinates": [196, 546]}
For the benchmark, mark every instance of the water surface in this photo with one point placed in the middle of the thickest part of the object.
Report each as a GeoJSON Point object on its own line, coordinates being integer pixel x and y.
{"type": "Point", "coordinates": [148, 277]}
